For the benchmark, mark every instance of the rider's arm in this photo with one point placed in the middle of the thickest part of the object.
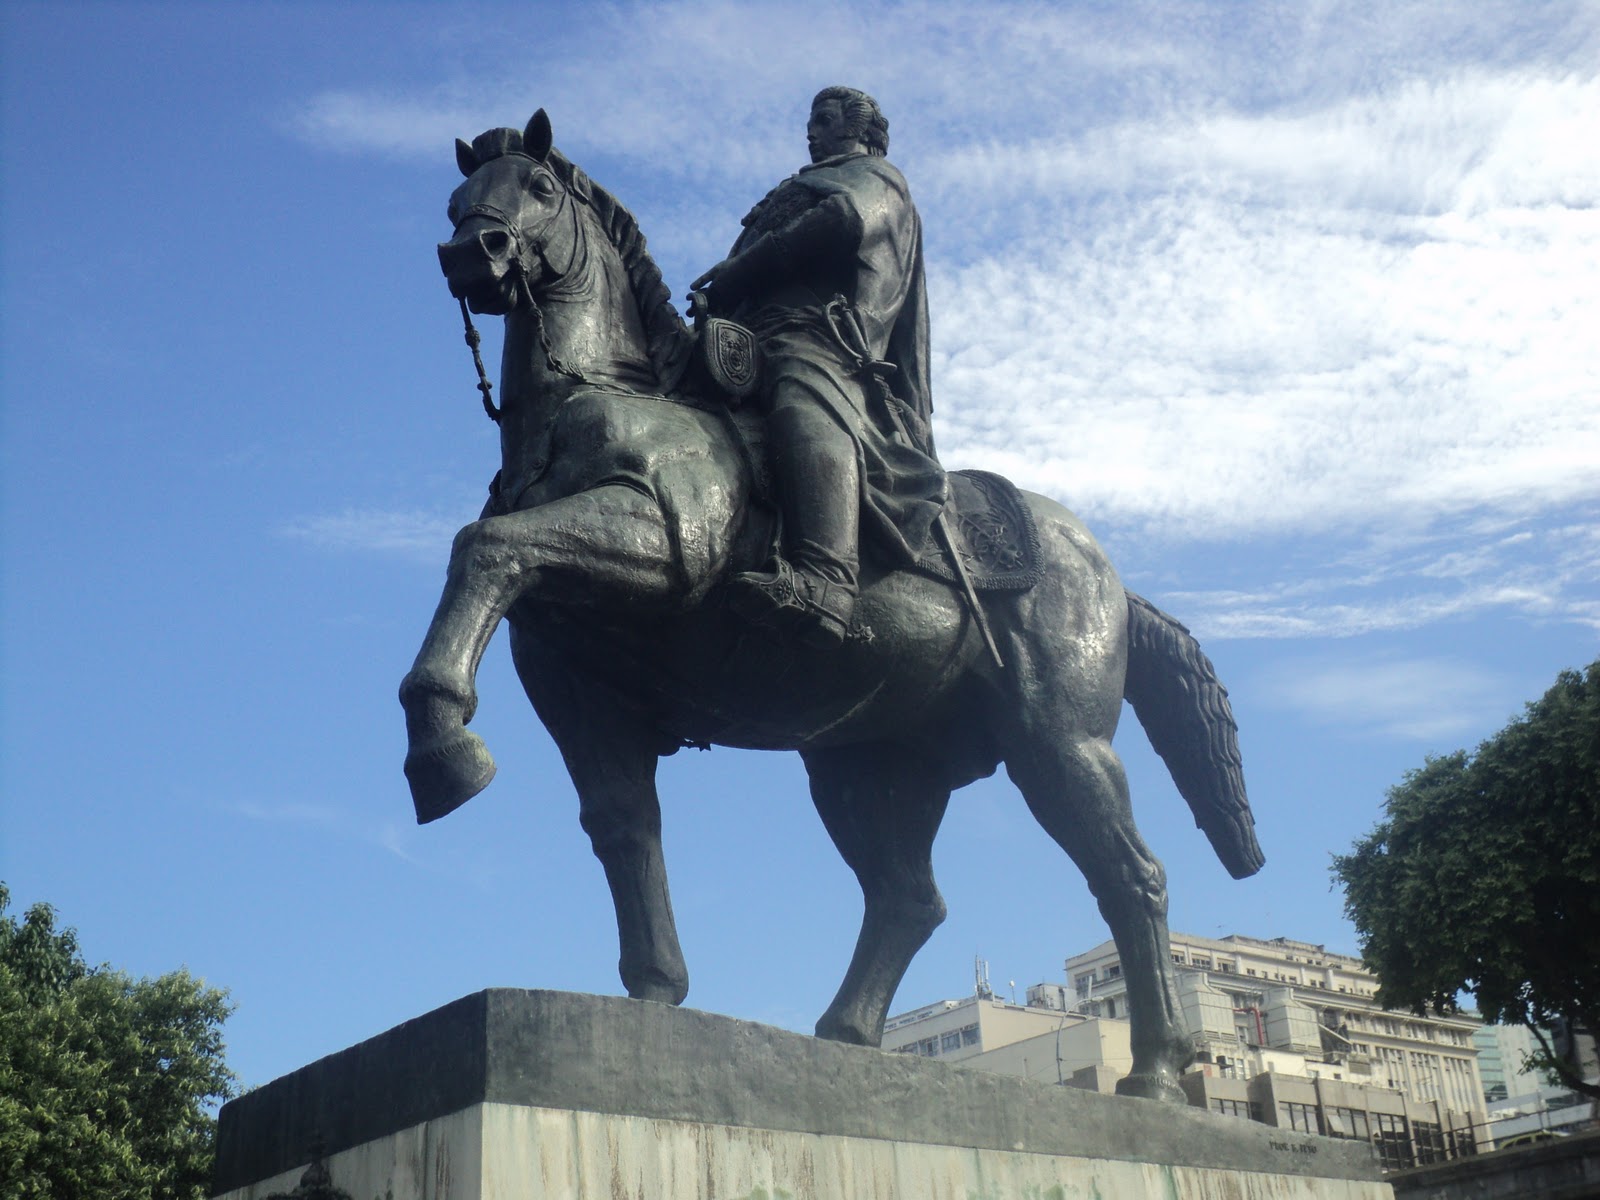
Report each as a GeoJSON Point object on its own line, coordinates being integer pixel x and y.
{"type": "Point", "coordinates": [829, 230]}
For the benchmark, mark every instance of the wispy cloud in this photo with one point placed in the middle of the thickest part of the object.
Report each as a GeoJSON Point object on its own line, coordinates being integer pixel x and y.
{"type": "Point", "coordinates": [317, 816]}
{"type": "Point", "coordinates": [1262, 339]}
{"type": "Point", "coordinates": [1414, 698]}
{"type": "Point", "coordinates": [1199, 272]}
{"type": "Point", "coordinates": [415, 535]}
{"type": "Point", "coordinates": [1407, 579]}
{"type": "Point", "coordinates": [329, 820]}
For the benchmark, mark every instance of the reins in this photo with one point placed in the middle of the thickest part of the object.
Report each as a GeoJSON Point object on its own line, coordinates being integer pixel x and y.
{"type": "Point", "coordinates": [485, 388]}
{"type": "Point", "coordinates": [524, 246]}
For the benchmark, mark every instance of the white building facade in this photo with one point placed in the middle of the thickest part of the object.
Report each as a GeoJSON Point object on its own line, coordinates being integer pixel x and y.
{"type": "Point", "coordinates": [1286, 1032]}
{"type": "Point", "coordinates": [1258, 1005]}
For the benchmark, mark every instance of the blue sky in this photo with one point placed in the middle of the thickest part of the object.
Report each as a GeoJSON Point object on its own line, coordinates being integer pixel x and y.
{"type": "Point", "coordinates": [1294, 303]}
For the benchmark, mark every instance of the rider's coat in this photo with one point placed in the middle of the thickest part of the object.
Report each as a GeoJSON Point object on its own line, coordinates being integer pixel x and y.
{"type": "Point", "coordinates": [847, 226]}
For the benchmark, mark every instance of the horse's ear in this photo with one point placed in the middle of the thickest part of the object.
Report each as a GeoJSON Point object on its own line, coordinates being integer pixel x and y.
{"type": "Point", "coordinates": [466, 158]}
{"type": "Point", "coordinates": [536, 138]}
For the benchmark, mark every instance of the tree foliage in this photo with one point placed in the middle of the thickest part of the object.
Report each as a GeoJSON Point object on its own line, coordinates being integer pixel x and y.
{"type": "Point", "coordinates": [1484, 875]}
{"type": "Point", "coordinates": [105, 1081]}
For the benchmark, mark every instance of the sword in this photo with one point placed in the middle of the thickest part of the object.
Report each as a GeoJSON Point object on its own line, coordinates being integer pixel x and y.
{"type": "Point", "coordinates": [842, 318]}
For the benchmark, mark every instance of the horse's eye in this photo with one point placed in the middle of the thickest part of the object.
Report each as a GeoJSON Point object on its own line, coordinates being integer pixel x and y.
{"type": "Point", "coordinates": [542, 185]}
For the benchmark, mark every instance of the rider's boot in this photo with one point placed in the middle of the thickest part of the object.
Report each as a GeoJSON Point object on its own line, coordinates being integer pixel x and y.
{"type": "Point", "coordinates": [813, 585]}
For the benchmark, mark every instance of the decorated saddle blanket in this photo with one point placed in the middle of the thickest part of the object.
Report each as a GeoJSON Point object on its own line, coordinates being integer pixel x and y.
{"type": "Point", "coordinates": [993, 531]}
{"type": "Point", "coordinates": [990, 522]}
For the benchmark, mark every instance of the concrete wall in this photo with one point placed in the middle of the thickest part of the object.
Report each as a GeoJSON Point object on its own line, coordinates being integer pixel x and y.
{"type": "Point", "coordinates": [533, 1095]}
{"type": "Point", "coordinates": [1563, 1169]}
{"type": "Point", "coordinates": [510, 1152]}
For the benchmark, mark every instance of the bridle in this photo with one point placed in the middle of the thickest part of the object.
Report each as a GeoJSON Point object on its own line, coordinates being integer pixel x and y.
{"type": "Point", "coordinates": [520, 256]}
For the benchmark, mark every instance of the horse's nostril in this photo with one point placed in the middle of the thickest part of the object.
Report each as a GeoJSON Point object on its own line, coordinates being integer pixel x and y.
{"type": "Point", "coordinates": [496, 242]}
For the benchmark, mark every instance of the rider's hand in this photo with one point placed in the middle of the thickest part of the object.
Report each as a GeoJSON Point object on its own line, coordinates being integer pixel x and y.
{"type": "Point", "coordinates": [700, 284]}
{"type": "Point", "coordinates": [723, 283]}
{"type": "Point", "coordinates": [739, 275]}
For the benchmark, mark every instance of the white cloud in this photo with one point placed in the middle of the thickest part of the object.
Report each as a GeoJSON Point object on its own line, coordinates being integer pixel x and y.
{"type": "Point", "coordinates": [1290, 322]}
{"type": "Point", "coordinates": [1405, 579]}
{"type": "Point", "coordinates": [1201, 272]}
{"type": "Point", "coordinates": [316, 816]}
{"type": "Point", "coordinates": [393, 838]}
{"type": "Point", "coordinates": [417, 535]}
{"type": "Point", "coordinates": [1422, 698]}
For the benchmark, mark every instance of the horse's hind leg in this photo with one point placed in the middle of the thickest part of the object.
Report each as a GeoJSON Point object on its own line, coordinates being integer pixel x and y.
{"type": "Point", "coordinates": [882, 806]}
{"type": "Point", "coordinates": [1079, 793]}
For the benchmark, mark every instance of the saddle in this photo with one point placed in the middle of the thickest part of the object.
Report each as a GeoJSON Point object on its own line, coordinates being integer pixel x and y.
{"type": "Point", "coordinates": [994, 533]}
{"type": "Point", "coordinates": [991, 523]}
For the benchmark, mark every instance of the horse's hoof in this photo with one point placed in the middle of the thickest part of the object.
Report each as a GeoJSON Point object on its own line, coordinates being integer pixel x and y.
{"type": "Point", "coordinates": [1152, 1087]}
{"type": "Point", "coordinates": [835, 1029]}
{"type": "Point", "coordinates": [445, 774]}
{"type": "Point", "coordinates": [661, 993]}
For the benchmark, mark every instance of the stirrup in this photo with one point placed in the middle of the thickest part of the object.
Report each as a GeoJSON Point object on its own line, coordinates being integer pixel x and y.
{"type": "Point", "coordinates": [819, 607]}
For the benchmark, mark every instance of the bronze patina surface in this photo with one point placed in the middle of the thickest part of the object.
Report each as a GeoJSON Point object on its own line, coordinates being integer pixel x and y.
{"type": "Point", "coordinates": [654, 601]}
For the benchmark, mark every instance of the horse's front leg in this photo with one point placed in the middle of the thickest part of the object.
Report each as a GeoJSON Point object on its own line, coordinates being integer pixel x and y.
{"type": "Point", "coordinates": [611, 755]}
{"type": "Point", "coordinates": [602, 547]}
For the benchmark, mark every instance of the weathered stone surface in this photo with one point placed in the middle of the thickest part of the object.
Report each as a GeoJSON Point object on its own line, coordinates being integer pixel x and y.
{"type": "Point", "coordinates": [1561, 1169]}
{"type": "Point", "coordinates": [570, 1056]}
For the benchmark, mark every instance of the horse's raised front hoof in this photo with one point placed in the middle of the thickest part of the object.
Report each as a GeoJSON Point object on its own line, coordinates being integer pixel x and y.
{"type": "Point", "coordinates": [447, 773]}
{"type": "Point", "coordinates": [1158, 1086]}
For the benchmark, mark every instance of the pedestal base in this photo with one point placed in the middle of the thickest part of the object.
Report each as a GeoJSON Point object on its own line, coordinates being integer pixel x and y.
{"type": "Point", "coordinates": [541, 1095]}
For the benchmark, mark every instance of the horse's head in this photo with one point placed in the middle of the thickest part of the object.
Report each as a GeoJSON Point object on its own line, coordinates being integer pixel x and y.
{"type": "Point", "coordinates": [514, 226]}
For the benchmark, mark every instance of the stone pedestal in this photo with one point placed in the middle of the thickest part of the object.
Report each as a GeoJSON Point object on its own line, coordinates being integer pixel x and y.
{"type": "Point", "coordinates": [520, 1095]}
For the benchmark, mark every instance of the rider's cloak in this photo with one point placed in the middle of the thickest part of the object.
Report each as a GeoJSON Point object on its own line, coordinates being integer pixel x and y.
{"type": "Point", "coordinates": [881, 274]}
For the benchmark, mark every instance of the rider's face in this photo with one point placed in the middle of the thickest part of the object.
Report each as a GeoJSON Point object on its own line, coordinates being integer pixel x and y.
{"type": "Point", "coordinates": [828, 132]}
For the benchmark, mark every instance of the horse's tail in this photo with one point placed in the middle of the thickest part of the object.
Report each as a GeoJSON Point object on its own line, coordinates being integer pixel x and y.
{"type": "Point", "coordinates": [1184, 709]}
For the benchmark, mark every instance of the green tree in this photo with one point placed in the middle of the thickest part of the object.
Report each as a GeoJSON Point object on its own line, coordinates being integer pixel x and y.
{"type": "Point", "coordinates": [1484, 875]}
{"type": "Point", "coordinates": [105, 1081]}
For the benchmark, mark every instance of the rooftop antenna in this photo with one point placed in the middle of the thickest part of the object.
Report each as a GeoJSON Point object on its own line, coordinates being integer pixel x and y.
{"type": "Point", "coordinates": [980, 978]}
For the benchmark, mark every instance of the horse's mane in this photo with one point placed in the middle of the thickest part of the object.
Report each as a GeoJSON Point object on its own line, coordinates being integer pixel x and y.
{"type": "Point", "coordinates": [668, 341]}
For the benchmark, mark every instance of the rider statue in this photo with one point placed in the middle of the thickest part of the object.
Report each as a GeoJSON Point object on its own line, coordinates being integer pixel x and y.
{"type": "Point", "coordinates": [828, 274]}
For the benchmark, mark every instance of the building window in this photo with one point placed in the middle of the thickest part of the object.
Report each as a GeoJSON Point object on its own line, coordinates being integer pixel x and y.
{"type": "Point", "coordinates": [1111, 1008]}
{"type": "Point", "coordinates": [1302, 1117]}
{"type": "Point", "coordinates": [1393, 1140]}
{"type": "Point", "coordinates": [949, 1042]}
{"type": "Point", "coordinates": [1347, 1123]}
{"type": "Point", "coordinates": [1237, 1108]}
{"type": "Point", "coordinates": [928, 1047]}
{"type": "Point", "coordinates": [1114, 971]}
{"type": "Point", "coordinates": [969, 1036]}
{"type": "Point", "coordinates": [1430, 1142]}
{"type": "Point", "coordinates": [1085, 984]}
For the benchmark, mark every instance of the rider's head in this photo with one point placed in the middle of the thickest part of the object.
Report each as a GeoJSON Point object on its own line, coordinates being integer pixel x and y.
{"type": "Point", "coordinates": [865, 119]}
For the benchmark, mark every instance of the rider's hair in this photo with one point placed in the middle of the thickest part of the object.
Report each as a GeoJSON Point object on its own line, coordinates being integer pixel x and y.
{"type": "Point", "coordinates": [867, 121]}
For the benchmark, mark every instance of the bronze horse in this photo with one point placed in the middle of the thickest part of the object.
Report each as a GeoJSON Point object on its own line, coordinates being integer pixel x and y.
{"type": "Point", "coordinates": [623, 504]}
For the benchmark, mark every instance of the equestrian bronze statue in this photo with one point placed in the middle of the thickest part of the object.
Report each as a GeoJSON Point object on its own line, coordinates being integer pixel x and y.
{"type": "Point", "coordinates": [670, 581]}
